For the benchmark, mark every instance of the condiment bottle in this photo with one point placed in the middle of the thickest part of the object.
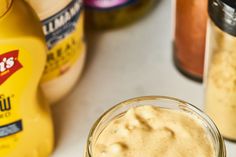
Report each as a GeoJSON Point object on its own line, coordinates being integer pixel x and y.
{"type": "Point", "coordinates": [26, 128]}
{"type": "Point", "coordinates": [189, 37]}
{"type": "Point", "coordinates": [62, 22]}
{"type": "Point", "coordinates": [220, 96]}
{"type": "Point", "coordinates": [115, 13]}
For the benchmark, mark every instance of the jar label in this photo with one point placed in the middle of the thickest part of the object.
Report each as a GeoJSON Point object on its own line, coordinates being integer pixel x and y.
{"type": "Point", "coordinates": [107, 4]}
{"type": "Point", "coordinates": [65, 40]}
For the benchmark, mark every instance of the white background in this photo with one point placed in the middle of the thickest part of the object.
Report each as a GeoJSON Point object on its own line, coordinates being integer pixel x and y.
{"type": "Point", "coordinates": [122, 64]}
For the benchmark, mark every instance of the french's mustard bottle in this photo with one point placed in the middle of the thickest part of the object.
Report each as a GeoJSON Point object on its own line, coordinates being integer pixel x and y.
{"type": "Point", "coordinates": [62, 22]}
{"type": "Point", "coordinates": [26, 128]}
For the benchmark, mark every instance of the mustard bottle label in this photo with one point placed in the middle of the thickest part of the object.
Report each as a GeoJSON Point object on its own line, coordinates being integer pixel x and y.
{"type": "Point", "coordinates": [64, 36]}
{"type": "Point", "coordinates": [11, 123]}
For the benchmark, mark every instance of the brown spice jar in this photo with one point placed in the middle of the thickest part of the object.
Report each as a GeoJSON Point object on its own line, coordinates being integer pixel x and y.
{"type": "Point", "coordinates": [190, 32]}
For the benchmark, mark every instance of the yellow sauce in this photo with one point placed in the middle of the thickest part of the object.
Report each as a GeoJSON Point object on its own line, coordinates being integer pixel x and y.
{"type": "Point", "coordinates": [147, 131]}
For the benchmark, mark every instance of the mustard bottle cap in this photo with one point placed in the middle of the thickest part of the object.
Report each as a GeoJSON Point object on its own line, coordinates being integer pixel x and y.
{"type": "Point", "coordinates": [4, 6]}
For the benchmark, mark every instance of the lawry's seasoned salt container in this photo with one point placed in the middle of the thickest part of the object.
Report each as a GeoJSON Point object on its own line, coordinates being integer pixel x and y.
{"type": "Point", "coordinates": [189, 25]}
{"type": "Point", "coordinates": [63, 28]}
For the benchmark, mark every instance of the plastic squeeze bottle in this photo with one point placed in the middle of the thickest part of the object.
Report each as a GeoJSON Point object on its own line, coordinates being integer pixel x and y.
{"type": "Point", "coordinates": [25, 121]}
{"type": "Point", "coordinates": [63, 24]}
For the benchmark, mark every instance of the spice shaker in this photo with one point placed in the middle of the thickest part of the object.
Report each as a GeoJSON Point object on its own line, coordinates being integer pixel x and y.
{"type": "Point", "coordinates": [220, 78]}
{"type": "Point", "coordinates": [189, 37]}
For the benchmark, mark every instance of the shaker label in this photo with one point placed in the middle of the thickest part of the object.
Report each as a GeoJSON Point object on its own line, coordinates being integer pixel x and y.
{"type": "Point", "coordinates": [107, 4]}
{"type": "Point", "coordinates": [9, 64]}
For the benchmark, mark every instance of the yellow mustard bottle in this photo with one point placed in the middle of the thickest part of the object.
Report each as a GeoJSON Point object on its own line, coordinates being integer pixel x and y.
{"type": "Point", "coordinates": [26, 128]}
{"type": "Point", "coordinates": [63, 24]}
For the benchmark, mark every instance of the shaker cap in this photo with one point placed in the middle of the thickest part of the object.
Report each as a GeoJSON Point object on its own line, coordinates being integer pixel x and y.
{"type": "Point", "coordinates": [223, 14]}
{"type": "Point", "coordinates": [231, 3]}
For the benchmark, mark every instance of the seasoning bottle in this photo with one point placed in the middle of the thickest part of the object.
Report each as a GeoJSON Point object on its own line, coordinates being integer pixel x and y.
{"type": "Point", "coordinates": [189, 37]}
{"type": "Point", "coordinates": [115, 13]}
{"type": "Point", "coordinates": [220, 95]}
{"type": "Point", "coordinates": [63, 23]}
{"type": "Point", "coordinates": [26, 128]}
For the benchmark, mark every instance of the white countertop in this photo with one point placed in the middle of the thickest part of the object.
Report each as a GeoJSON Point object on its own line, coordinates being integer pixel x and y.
{"type": "Point", "coordinates": [122, 64]}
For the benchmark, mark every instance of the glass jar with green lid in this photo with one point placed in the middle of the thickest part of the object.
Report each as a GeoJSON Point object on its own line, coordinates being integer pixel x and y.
{"type": "Point", "coordinates": [103, 14]}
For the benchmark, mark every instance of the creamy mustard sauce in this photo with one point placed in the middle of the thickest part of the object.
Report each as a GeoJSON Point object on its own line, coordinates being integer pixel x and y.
{"type": "Point", "coordinates": [148, 131]}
